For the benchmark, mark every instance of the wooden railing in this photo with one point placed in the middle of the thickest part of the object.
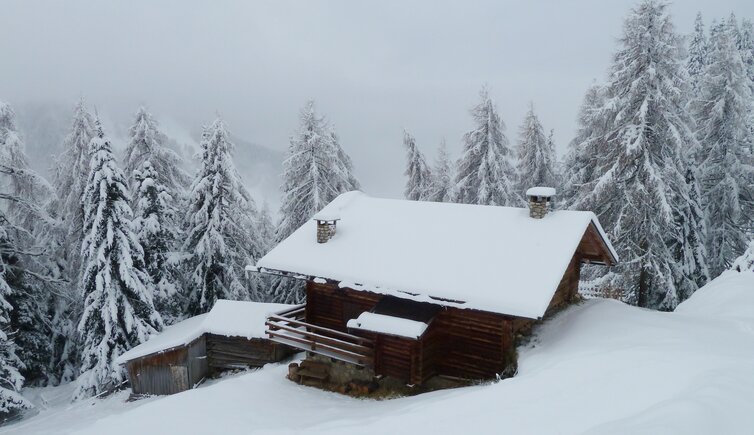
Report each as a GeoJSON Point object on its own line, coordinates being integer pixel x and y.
{"type": "Point", "coordinates": [288, 327]}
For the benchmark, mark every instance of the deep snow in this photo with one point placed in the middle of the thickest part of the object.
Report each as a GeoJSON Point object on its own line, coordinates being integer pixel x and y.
{"type": "Point", "coordinates": [601, 367]}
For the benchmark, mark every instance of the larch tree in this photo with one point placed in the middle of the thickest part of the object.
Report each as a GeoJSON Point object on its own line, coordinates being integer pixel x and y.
{"type": "Point", "coordinates": [419, 180]}
{"type": "Point", "coordinates": [441, 188]}
{"type": "Point", "coordinates": [316, 170]}
{"type": "Point", "coordinates": [697, 54]}
{"type": "Point", "coordinates": [485, 172]}
{"type": "Point", "coordinates": [537, 165]}
{"type": "Point", "coordinates": [119, 312]}
{"type": "Point", "coordinates": [147, 143]}
{"type": "Point", "coordinates": [222, 236]}
{"type": "Point", "coordinates": [638, 186]}
{"type": "Point", "coordinates": [723, 112]}
{"type": "Point", "coordinates": [23, 195]}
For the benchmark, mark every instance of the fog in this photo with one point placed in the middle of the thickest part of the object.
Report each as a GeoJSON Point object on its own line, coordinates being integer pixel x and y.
{"type": "Point", "coordinates": [374, 68]}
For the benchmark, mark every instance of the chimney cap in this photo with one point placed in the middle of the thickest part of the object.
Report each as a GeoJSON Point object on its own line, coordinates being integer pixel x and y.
{"type": "Point", "coordinates": [541, 192]}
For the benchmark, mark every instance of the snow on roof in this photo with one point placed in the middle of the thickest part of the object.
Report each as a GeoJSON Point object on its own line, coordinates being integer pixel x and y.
{"type": "Point", "coordinates": [229, 318]}
{"type": "Point", "coordinates": [540, 191]}
{"type": "Point", "coordinates": [489, 258]}
{"type": "Point", "coordinates": [388, 325]}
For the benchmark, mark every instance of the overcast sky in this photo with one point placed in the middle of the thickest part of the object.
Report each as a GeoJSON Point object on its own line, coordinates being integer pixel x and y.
{"type": "Point", "coordinates": [374, 68]}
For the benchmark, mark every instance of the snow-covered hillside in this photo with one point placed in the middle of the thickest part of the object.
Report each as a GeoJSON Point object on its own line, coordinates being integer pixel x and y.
{"type": "Point", "coordinates": [600, 368]}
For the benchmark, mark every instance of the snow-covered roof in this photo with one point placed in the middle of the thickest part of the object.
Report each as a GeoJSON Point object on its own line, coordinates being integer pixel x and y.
{"type": "Point", "coordinates": [541, 191]}
{"type": "Point", "coordinates": [384, 324]}
{"type": "Point", "coordinates": [228, 318]}
{"type": "Point", "coordinates": [488, 258]}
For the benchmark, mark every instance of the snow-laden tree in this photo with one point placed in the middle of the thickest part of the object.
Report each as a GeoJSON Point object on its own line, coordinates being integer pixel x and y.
{"type": "Point", "coordinates": [11, 380]}
{"type": "Point", "coordinates": [155, 227]}
{"type": "Point", "coordinates": [266, 228]}
{"type": "Point", "coordinates": [147, 143]}
{"type": "Point", "coordinates": [581, 160]}
{"type": "Point", "coordinates": [723, 111]}
{"type": "Point", "coordinates": [537, 163]}
{"type": "Point", "coordinates": [315, 171]}
{"type": "Point", "coordinates": [746, 48]}
{"type": "Point", "coordinates": [746, 261]}
{"type": "Point", "coordinates": [441, 188]}
{"type": "Point", "coordinates": [637, 183]}
{"type": "Point", "coordinates": [23, 197]}
{"type": "Point", "coordinates": [697, 54]}
{"type": "Point", "coordinates": [119, 312]}
{"type": "Point", "coordinates": [71, 174]}
{"type": "Point", "coordinates": [419, 175]}
{"type": "Point", "coordinates": [222, 236]}
{"type": "Point", "coordinates": [485, 172]}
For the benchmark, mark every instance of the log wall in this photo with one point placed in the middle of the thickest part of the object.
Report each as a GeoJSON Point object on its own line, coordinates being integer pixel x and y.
{"type": "Point", "coordinates": [227, 353]}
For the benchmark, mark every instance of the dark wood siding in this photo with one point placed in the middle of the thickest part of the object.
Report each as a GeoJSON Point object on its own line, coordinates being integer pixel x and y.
{"type": "Point", "coordinates": [225, 353]}
{"type": "Point", "coordinates": [197, 361]}
{"type": "Point", "coordinates": [332, 307]}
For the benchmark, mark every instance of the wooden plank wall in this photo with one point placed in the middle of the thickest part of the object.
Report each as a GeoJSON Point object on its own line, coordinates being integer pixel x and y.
{"type": "Point", "coordinates": [332, 307]}
{"type": "Point", "coordinates": [197, 361]}
{"type": "Point", "coordinates": [471, 344]}
{"type": "Point", "coordinates": [164, 373]}
{"type": "Point", "coordinates": [234, 352]}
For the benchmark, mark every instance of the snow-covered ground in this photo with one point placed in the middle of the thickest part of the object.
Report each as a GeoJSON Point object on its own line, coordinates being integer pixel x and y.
{"type": "Point", "coordinates": [600, 368]}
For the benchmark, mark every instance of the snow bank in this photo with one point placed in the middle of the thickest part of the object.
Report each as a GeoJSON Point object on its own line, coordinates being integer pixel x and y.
{"type": "Point", "coordinates": [491, 258]}
{"type": "Point", "coordinates": [229, 318]}
{"type": "Point", "coordinates": [599, 368]}
{"type": "Point", "coordinates": [383, 324]}
{"type": "Point", "coordinates": [731, 296]}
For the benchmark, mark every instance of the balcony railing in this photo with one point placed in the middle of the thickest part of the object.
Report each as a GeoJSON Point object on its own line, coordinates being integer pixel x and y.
{"type": "Point", "coordinates": [288, 327]}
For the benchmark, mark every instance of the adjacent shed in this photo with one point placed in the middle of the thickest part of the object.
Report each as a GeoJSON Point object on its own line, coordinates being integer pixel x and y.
{"type": "Point", "coordinates": [230, 336]}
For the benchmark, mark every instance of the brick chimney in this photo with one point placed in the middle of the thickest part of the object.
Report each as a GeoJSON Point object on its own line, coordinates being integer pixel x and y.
{"type": "Point", "coordinates": [325, 229]}
{"type": "Point", "coordinates": [539, 199]}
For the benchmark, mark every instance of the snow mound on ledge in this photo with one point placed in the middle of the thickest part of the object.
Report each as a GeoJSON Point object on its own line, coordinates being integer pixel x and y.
{"type": "Point", "coordinates": [599, 368]}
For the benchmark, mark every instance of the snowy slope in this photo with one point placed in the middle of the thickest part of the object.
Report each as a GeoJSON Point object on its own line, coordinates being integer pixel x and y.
{"type": "Point", "coordinates": [598, 368]}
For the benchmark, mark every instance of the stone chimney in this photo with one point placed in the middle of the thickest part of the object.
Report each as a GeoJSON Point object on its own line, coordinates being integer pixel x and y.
{"type": "Point", "coordinates": [325, 229]}
{"type": "Point", "coordinates": [539, 201]}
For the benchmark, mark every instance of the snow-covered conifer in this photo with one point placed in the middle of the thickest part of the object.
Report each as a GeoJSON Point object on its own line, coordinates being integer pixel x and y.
{"type": "Point", "coordinates": [485, 173]}
{"type": "Point", "coordinates": [315, 171]}
{"type": "Point", "coordinates": [441, 188]}
{"type": "Point", "coordinates": [11, 380]}
{"type": "Point", "coordinates": [154, 225]}
{"type": "Point", "coordinates": [636, 175]}
{"type": "Point", "coordinates": [723, 111]}
{"type": "Point", "coordinates": [118, 311]}
{"type": "Point", "coordinates": [418, 173]}
{"type": "Point", "coordinates": [697, 54]}
{"type": "Point", "coordinates": [147, 143]}
{"type": "Point", "coordinates": [222, 238]}
{"type": "Point", "coordinates": [536, 155]}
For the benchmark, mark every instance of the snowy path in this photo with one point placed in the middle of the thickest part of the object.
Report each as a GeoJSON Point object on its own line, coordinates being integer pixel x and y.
{"type": "Point", "coordinates": [599, 368]}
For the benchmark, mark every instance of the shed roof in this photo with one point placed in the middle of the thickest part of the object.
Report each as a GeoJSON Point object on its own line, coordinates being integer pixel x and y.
{"type": "Point", "coordinates": [229, 318]}
{"type": "Point", "coordinates": [488, 258]}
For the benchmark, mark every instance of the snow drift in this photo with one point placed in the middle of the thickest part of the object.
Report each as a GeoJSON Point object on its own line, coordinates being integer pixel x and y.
{"type": "Point", "coordinates": [600, 368]}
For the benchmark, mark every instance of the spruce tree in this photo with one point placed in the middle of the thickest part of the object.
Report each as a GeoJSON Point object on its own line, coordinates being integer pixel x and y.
{"type": "Point", "coordinates": [419, 176]}
{"type": "Point", "coordinates": [441, 188]}
{"type": "Point", "coordinates": [637, 177]}
{"type": "Point", "coordinates": [118, 311]}
{"type": "Point", "coordinates": [485, 174]}
{"type": "Point", "coordinates": [723, 111]}
{"type": "Point", "coordinates": [11, 380]}
{"type": "Point", "coordinates": [155, 227]}
{"type": "Point", "coordinates": [222, 236]}
{"type": "Point", "coordinates": [536, 156]}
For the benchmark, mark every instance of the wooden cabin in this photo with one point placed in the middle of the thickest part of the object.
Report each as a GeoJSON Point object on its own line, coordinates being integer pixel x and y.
{"type": "Point", "coordinates": [412, 290]}
{"type": "Point", "coordinates": [231, 336]}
